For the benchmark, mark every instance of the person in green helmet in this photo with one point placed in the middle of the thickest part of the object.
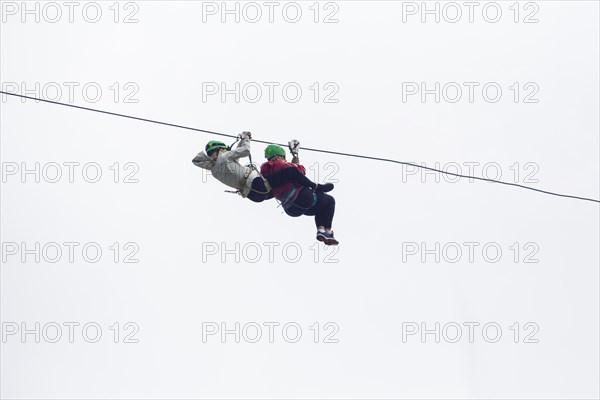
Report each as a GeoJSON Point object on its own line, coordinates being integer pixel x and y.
{"type": "Point", "coordinates": [299, 199]}
{"type": "Point", "coordinates": [224, 165]}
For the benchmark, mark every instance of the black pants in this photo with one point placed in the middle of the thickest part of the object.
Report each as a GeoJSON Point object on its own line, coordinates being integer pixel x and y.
{"type": "Point", "coordinates": [323, 210]}
{"type": "Point", "coordinates": [260, 193]}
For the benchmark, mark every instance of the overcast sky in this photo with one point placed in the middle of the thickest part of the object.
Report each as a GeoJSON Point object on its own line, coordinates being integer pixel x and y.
{"type": "Point", "coordinates": [497, 90]}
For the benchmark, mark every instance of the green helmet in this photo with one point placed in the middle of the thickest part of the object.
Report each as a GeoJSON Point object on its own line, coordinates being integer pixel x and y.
{"type": "Point", "coordinates": [213, 145]}
{"type": "Point", "coordinates": [274, 150]}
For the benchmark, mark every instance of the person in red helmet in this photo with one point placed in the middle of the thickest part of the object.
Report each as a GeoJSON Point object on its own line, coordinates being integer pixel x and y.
{"type": "Point", "coordinates": [298, 199]}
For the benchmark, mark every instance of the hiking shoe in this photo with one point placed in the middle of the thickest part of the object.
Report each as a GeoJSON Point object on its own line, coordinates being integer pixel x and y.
{"type": "Point", "coordinates": [327, 238]}
{"type": "Point", "coordinates": [324, 187]}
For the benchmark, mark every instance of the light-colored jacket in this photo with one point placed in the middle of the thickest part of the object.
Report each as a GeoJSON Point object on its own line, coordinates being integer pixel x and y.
{"type": "Point", "coordinates": [228, 170]}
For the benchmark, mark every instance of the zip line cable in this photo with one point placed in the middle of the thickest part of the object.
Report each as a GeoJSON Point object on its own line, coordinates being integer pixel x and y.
{"type": "Point", "coordinates": [305, 148]}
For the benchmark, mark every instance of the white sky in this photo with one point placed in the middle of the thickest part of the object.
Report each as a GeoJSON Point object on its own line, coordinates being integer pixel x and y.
{"type": "Point", "coordinates": [176, 213]}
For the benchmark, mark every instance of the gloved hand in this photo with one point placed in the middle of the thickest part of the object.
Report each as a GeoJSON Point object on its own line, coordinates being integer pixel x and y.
{"type": "Point", "coordinates": [294, 147]}
{"type": "Point", "coordinates": [245, 136]}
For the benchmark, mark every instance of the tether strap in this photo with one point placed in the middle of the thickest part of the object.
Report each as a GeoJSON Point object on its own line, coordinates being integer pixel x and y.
{"type": "Point", "coordinates": [267, 184]}
{"type": "Point", "coordinates": [252, 164]}
{"type": "Point", "coordinates": [233, 144]}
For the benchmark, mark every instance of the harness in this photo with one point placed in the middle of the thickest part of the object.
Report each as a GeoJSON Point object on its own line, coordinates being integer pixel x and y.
{"type": "Point", "coordinates": [288, 200]}
{"type": "Point", "coordinates": [251, 168]}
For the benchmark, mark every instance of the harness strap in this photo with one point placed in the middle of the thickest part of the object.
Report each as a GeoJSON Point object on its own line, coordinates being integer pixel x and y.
{"type": "Point", "coordinates": [267, 184]}
{"type": "Point", "coordinates": [303, 208]}
{"type": "Point", "coordinates": [233, 144]}
{"type": "Point", "coordinates": [288, 200]}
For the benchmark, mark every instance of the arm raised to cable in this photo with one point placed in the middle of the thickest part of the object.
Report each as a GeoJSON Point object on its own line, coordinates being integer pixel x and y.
{"type": "Point", "coordinates": [242, 149]}
{"type": "Point", "coordinates": [294, 147]}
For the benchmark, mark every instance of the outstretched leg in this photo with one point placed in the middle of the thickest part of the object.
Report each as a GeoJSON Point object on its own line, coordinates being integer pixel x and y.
{"type": "Point", "coordinates": [324, 211]}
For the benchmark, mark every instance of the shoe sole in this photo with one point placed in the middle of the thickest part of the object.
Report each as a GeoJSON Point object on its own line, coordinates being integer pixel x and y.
{"type": "Point", "coordinates": [328, 242]}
